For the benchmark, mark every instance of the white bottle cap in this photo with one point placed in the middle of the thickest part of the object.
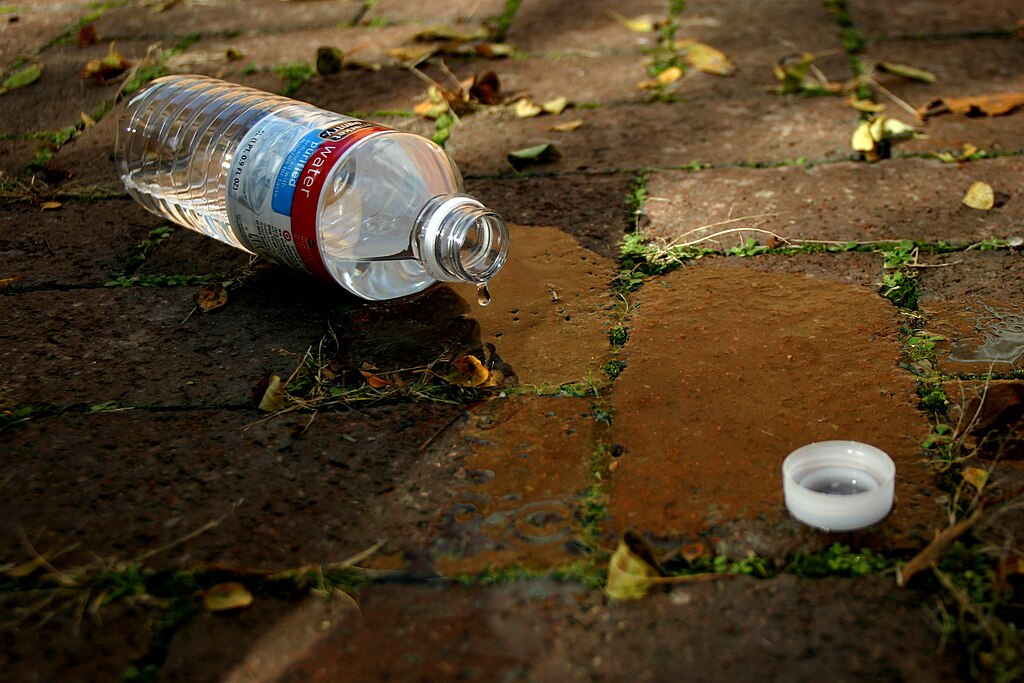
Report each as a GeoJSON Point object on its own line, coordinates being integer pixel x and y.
{"type": "Point", "coordinates": [838, 485]}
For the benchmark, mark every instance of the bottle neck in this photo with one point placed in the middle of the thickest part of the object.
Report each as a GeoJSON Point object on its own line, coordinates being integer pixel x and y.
{"type": "Point", "coordinates": [459, 240]}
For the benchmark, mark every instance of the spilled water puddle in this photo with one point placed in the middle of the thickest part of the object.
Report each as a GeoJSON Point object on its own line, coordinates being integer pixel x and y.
{"type": "Point", "coordinates": [1001, 335]}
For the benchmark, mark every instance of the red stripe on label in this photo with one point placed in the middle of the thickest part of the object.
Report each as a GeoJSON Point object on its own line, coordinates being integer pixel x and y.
{"type": "Point", "coordinates": [306, 202]}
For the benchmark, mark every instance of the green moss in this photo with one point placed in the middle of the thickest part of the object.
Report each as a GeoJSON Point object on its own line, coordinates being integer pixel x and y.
{"type": "Point", "coordinates": [295, 74]}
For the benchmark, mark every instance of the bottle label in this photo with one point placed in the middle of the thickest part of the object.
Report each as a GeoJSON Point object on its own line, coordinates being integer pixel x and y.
{"type": "Point", "coordinates": [274, 204]}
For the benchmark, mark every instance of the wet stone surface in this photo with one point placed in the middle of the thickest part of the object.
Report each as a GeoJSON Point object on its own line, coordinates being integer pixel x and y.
{"type": "Point", "coordinates": [526, 464]}
{"type": "Point", "coordinates": [974, 300]}
{"type": "Point", "coordinates": [761, 363]}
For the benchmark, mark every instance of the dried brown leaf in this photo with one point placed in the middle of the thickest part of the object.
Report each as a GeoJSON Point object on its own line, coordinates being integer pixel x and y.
{"type": "Point", "coordinates": [111, 66]}
{"type": "Point", "coordinates": [706, 58]}
{"type": "Point", "coordinates": [88, 35]}
{"type": "Point", "coordinates": [273, 396]}
{"type": "Point", "coordinates": [998, 104]}
{"type": "Point", "coordinates": [212, 296]}
{"type": "Point", "coordinates": [373, 380]}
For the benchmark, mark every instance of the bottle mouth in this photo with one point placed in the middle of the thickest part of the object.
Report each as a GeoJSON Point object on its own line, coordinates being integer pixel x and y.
{"type": "Point", "coordinates": [464, 242]}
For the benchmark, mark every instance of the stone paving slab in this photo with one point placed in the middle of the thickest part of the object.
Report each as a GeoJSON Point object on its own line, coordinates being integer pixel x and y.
{"type": "Point", "coordinates": [434, 12]}
{"type": "Point", "coordinates": [878, 17]}
{"type": "Point", "coordinates": [588, 207]}
{"type": "Point", "coordinates": [545, 26]}
{"type": "Point", "coordinates": [149, 346]}
{"type": "Point", "coordinates": [31, 109]}
{"type": "Point", "coordinates": [25, 32]}
{"type": "Point", "coordinates": [519, 487]}
{"type": "Point", "coordinates": [544, 632]}
{"type": "Point", "coordinates": [902, 199]}
{"type": "Point", "coordinates": [75, 645]}
{"type": "Point", "coordinates": [53, 247]}
{"type": "Point", "coordinates": [224, 16]}
{"type": "Point", "coordinates": [789, 369]}
{"type": "Point", "coordinates": [612, 139]}
{"type": "Point", "coordinates": [297, 490]}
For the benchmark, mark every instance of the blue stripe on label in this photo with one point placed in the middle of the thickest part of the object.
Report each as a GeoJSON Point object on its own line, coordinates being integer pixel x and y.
{"type": "Point", "coordinates": [291, 169]}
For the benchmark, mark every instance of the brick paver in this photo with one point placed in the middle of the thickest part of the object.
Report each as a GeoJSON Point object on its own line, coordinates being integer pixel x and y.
{"type": "Point", "coordinates": [654, 389]}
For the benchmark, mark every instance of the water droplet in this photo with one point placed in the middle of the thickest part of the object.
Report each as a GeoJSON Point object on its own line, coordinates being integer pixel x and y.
{"type": "Point", "coordinates": [483, 295]}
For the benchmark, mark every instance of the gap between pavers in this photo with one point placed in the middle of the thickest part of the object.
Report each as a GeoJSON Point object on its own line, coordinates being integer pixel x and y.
{"type": "Point", "coordinates": [892, 200]}
{"type": "Point", "coordinates": [729, 370]}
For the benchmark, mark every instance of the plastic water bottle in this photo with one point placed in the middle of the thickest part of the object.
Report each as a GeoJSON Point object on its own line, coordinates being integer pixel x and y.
{"type": "Point", "coordinates": [380, 212]}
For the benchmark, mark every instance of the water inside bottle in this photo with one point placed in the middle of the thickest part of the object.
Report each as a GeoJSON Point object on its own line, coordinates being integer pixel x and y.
{"type": "Point", "coordinates": [839, 481]}
{"type": "Point", "coordinates": [483, 295]}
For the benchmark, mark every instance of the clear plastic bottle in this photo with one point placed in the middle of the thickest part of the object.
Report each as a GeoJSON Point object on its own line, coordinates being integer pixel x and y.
{"type": "Point", "coordinates": [379, 211]}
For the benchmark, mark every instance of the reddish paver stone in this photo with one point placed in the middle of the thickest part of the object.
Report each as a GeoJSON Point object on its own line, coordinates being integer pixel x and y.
{"type": "Point", "coordinates": [545, 26]}
{"type": "Point", "coordinates": [976, 301]}
{"type": "Point", "coordinates": [525, 467]}
{"type": "Point", "coordinates": [145, 346]}
{"type": "Point", "coordinates": [224, 16]}
{"type": "Point", "coordinates": [891, 200]}
{"type": "Point", "coordinates": [730, 371]}
{"type": "Point", "coordinates": [60, 247]}
{"type": "Point", "coordinates": [923, 17]}
{"type": "Point", "coordinates": [591, 208]}
{"type": "Point", "coordinates": [60, 96]}
{"type": "Point", "coordinates": [644, 136]}
{"type": "Point", "coordinates": [549, 315]}
{"type": "Point", "coordinates": [28, 30]}
{"type": "Point", "coordinates": [288, 491]}
{"type": "Point", "coordinates": [58, 641]}
{"type": "Point", "coordinates": [455, 13]}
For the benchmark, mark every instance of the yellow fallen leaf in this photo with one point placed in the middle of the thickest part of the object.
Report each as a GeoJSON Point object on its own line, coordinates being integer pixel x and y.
{"type": "Point", "coordinates": [706, 58]}
{"type": "Point", "coordinates": [909, 72]}
{"type": "Point", "coordinates": [6, 282]}
{"type": "Point", "coordinates": [472, 373]}
{"type": "Point", "coordinates": [526, 109]}
{"type": "Point", "coordinates": [642, 24]}
{"type": "Point", "coordinates": [555, 106]}
{"type": "Point", "coordinates": [968, 151]}
{"type": "Point", "coordinates": [975, 476]}
{"type": "Point", "coordinates": [50, 206]}
{"type": "Point", "coordinates": [980, 196]}
{"type": "Point", "coordinates": [862, 140]}
{"type": "Point", "coordinates": [212, 296]}
{"type": "Point", "coordinates": [227, 596]}
{"type": "Point", "coordinates": [998, 104]}
{"type": "Point", "coordinates": [632, 570]}
{"type": "Point", "coordinates": [568, 126]}
{"type": "Point", "coordinates": [87, 120]}
{"type": "Point", "coordinates": [866, 105]}
{"type": "Point", "coordinates": [669, 75]}
{"type": "Point", "coordinates": [273, 397]}
{"type": "Point", "coordinates": [894, 129]}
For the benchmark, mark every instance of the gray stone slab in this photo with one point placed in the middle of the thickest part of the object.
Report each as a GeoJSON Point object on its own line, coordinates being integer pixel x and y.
{"type": "Point", "coordinates": [224, 16]}
{"type": "Point", "coordinates": [23, 33]}
{"type": "Point", "coordinates": [287, 492]}
{"type": "Point", "coordinates": [79, 243]}
{"type": "Point", "coordinates": [546, 26]}
{"type": "Point", "coordinates": [149, 346]}
{"type": "Point", "coordinates": [451, 12]}
{"type": "Point", "coordinates": [925, 17]}
{"type": "Point", "coordinates": [767, 129]}
{"type": "Point", "coordinates": [901, 199]}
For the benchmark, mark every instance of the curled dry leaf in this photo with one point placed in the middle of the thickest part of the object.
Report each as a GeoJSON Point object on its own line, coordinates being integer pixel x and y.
{"type": "Point", "coordinates": [273, 396]}
{"type": "Point", "coordinates": [980, 196]}
{"type": "Point", "coordinates": [555, 106]}
{"type": "Point", "coordinates": [664, 78]}
{"type": "Point", "coordinates": [975, 476]}
{"type": "Point", "coordinates": [111, 66]}
{"type": "Point", "coordinates": [872, 136]}
{"type": "Point", "coordinates": [212, 296]}
{"type": "Point", "coordinates": [706, 58]}
{"type": "Point", "coordinates": [50, 206]}
{"type": "Point", "coordinates": [567, 127]}
{"type": "Point", "coordinates": [526, 109]}
{"type": "Point", "coordinates": [485, 88]}
{"type": "Point", "coordinates": [373, 380]}
{"type": "Point", "coordinates": [998, 104]}
{"type": "Point", "coordinates": [632, 570]}
{"type": "Point", "coordinates": [909, 72]}
{"type": "Point", "coordinates": [452, 33]}
{"type": "Point", "coordinates": [641, 24]}
{"type": "Point", "coordinates": [471, 372]}
{"type": "Point", "coordinates": [866, 105]}
{"type": "Point", "coordinates": [88, 35]}
{"type": "Point", "coordinates": [227, 596]}
{"type": "Point", "coordinates": [967, 152]}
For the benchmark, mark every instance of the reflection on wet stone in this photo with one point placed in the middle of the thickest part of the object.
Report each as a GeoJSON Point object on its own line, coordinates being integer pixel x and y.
{"type": "Point", "coordinates": [517, 496]}
{"type": "Point", "coordinates": [1000, 337]}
